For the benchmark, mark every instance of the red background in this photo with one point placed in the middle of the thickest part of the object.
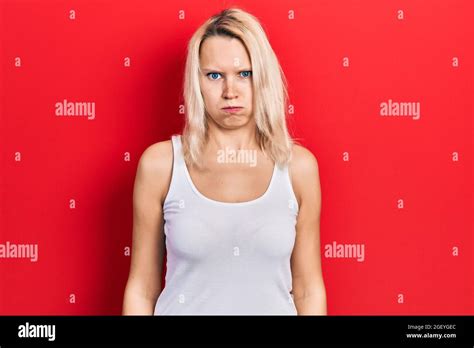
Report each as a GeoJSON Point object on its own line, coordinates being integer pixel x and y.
{"type": "Point", "coordinates": [337, 111]}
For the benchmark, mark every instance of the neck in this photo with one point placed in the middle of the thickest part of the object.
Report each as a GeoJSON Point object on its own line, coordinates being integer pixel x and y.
{"type": "Point", "coordinates": [236, 139]}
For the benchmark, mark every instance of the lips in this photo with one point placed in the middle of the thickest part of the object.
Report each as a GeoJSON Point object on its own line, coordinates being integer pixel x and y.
{"type": "Point", "coordinates": [232, 107]}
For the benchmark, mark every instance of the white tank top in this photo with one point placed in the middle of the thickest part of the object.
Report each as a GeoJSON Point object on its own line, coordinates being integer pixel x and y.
{"type": "Point", "coordinates": [227, 258]}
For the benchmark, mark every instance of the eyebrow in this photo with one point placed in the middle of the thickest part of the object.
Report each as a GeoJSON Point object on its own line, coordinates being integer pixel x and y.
{"type": "Point", "coordinates": [217, 70]}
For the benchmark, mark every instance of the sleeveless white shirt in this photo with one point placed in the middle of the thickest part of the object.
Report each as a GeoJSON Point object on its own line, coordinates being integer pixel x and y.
{"type": "Point", "coordinates": [227, 258]}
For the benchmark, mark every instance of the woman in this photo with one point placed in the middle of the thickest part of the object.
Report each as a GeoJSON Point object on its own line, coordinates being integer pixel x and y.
{"type": "Point", "coordinates": [234, 202]}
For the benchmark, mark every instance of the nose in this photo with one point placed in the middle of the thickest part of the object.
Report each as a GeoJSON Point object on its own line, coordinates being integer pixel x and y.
{"type": "Point", "coordinates": [230, 91]}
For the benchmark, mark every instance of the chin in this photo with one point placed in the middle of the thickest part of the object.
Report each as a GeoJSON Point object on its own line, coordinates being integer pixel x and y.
{"type": "Point", "coordinates": [231, 125]}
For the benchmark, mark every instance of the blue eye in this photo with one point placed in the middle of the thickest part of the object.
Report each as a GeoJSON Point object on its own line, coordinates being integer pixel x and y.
{"type": "Point", "coordinates": [247, 73]}
{"type": "Point", "coordinates": [213, 74]}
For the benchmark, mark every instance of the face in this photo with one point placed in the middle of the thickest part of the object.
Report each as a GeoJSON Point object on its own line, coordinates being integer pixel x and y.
{"type": "Point", "coordinates": [226, 80]}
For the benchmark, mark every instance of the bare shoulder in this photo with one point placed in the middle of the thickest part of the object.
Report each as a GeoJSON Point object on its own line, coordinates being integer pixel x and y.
{"type": "Point", "coordinates": [158, 154]}
{"type": "Point", "coordinates": [304, 171]}
{"type": "Point", "coordinates": [303, 159]}
{"type": "Point", "coordinates": [155, 168]}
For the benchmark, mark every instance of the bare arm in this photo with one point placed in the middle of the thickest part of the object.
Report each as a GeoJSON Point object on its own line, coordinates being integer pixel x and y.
{"type": "Point", "coordinates": [148, 247]}
{"type": "Point", "coordinates": [308, 285]}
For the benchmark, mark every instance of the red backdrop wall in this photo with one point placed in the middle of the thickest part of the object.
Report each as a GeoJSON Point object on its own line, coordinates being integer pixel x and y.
{"type": "Point", "coordinates": [381, 92]}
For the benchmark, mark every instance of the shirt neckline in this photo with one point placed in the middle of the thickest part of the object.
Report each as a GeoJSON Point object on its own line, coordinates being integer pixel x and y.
{"type": "Point", "coordinates": [258, 199]}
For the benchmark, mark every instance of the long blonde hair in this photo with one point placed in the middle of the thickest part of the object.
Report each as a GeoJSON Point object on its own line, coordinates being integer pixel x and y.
{"type": "Point", "coordinates": [270, 96]}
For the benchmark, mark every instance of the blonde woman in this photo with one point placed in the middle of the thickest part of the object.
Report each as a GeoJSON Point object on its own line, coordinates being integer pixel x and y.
{"type": "Point", "coordinates": [233, 201]}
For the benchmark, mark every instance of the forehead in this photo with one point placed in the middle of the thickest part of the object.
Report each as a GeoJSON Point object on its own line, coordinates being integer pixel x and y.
{"type": "Point", "coordinates": [219, 52]}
